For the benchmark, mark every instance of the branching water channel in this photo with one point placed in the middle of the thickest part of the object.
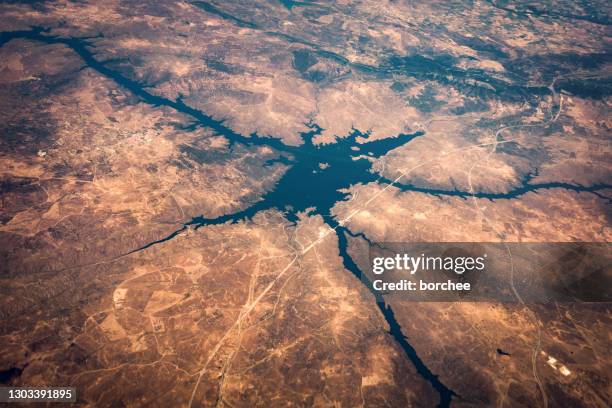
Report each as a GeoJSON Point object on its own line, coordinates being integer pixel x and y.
{"type": "Point", "coordinates": [317, 178]}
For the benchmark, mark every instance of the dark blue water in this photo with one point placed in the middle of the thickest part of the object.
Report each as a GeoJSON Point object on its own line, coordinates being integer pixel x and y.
{"type": "Point", "coordinates": [7, 375]}
{"type": "Point", "coordinates": [209, 8]}
{"type": "Point", "coordinates": [314, 179]}
{"type": "Point", "coordinates": [290, 4]}
{"type": "Point", "coordinates": [395, 330]}
{"type": "Point", "coordinates": [317, 174]}
{"type": "Point", "coordinates": [514, 193]}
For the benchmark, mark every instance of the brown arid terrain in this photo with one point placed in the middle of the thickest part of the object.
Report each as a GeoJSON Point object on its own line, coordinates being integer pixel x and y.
{"type": "Point", "coordinates": [189, 191]}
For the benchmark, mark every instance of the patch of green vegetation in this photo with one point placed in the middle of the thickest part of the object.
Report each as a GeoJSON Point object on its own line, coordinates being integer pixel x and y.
{"type": "Point", "coordinates": [398, 87]}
